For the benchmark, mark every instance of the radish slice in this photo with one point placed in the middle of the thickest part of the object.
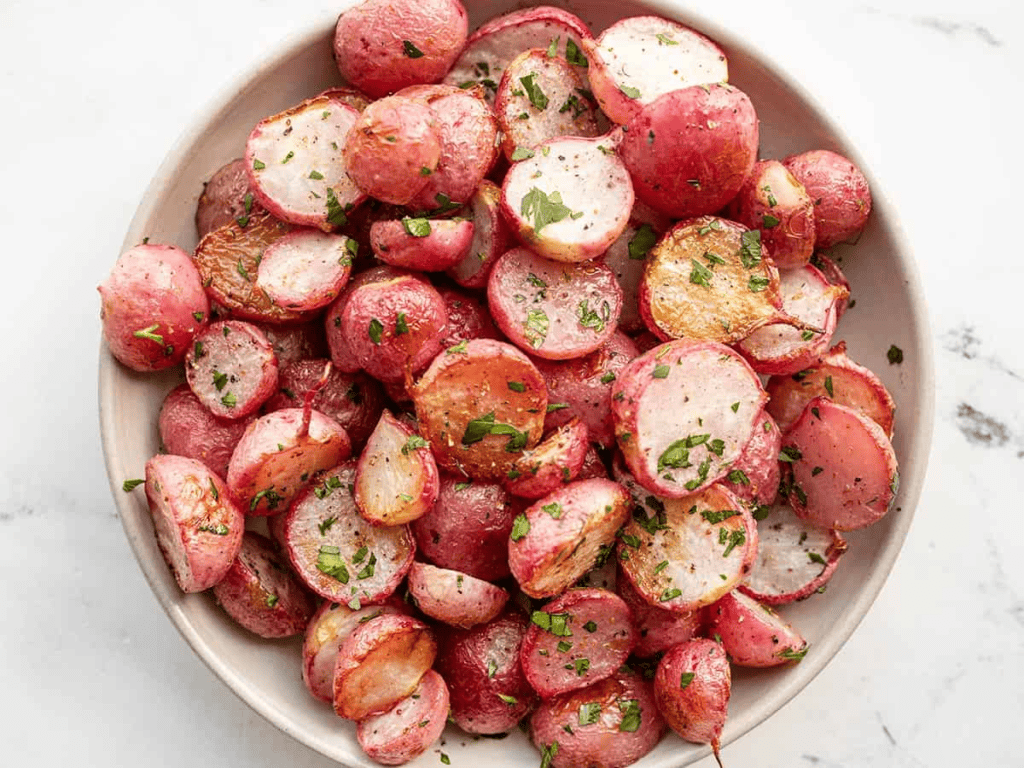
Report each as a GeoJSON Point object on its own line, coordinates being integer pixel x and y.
{"type": "Point", "coordinates": [780, 349]}
{"type": "Point", "coordinates": [336, 552]}
{"type": "Point", "coordinates": [551, 309]}
{"type": "Point", "coordinates": [844, 473]}
{"type": "Point", "coordinates": [261, 593]}
{"type": "Point", "coordinates": [638, 59]}
{"type": "Point", "coordinates": [406, 730]}
{"type": "Point", "coordinates": [454, 598]}
{"type": "Point", "coordinates": [753, 634]}
{"type": "Point", "coordinates": [678, 435]}
{"type": "Point", "coordinates": [555, 461]}
{"type": "Point", "coordinates": [396, 480]}
{"type": "Point", "coordinates": [306, 269]}
{"type": "Point", "coordinates": [794, 558]}
{"type": "Point", "coordinates": [231, 368]}
{"type": "Point", "coordinates": [657, 629]}
{"type": "Point", "coordinates": [490, 235]}
{"type": "Point", "coordinates": [754, 476]}
{"type": "Point", "coordinates": [570, 200]}
{"type": "Point", "coordinates": [577, 639]}
{"type": "Point", "coordinates": [295, 166]}
{"type": "Point", "coordinates": [541, 97]}
{"type": "Point", "coordinates": [682, 554]}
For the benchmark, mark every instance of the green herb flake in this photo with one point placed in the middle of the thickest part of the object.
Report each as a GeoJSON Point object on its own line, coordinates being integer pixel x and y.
{"type": "Point", "coordinates": [670, 594]}
{"type": "Point", "coordinates": [544, 208]}
{"type": "Point", "coordinates": [590, 713]}
{"type": "Point", "coordinates": [757, 283]}
{"type": "Point", "coordinates": [288, 157]}
{"type": "Point", "coordinates": [768, 221]}
{"type": "Point", "coordinates": [790, 655]}
{"type": "Point", "coordinates": [445, 760]}
{"type": "Point", "coordinates": [229, 400]}
{"type": "Point", "coordinates": [150, 333]}
{"type": "Point", "coordinates": [630, 91]}
{"type": "Point", "coordinates": [272, 600]}
{"type": "Point", "coordinates": [130, 485]}
{"type": "Point", "coordinates": [548, 754]}
{"type": "Point", "coordinates": [738, 477]}
{"type": "Point", "coordinates": [590, 627]}
{"type": "Point", "coordinates": [457, 349]}
{"type": "Point", "coordinates": [661, 372]}
{"type": "Point", "coordinates": [630, 715]}
{"type": "Point", "coordinates": [258, 165]}
{"type": "Point", "coordinates": [411, 50]}
{"type": "Point", "coordinates": [699, 274]}
{"type": "Point", "coordinates": [533, 91]}
{"type": "Point", "coordinates": [552, 407]}
{"type": "Point", "coordinates": [374, 330]}
{"type": "Point", "coordinates": [608, 378]}
{"type": "Point", "coordinates": [553, 47]}
{"type": "Point", "coordinates": [894, 355]}
{"type": "Point", "coordinates": [335, 213]}
{"type": "Point", "coordinates": [564, 646]}
{"type": "Point", "coordinates": [416, 227]}
{"type": "Point", "coordinates": [401, 324]}
{"type": "Point", "coordinates": [367, 571]}
{"type": "Point", "coordinates": [330, 563]}
{"type": "Point", "coordinates": [520, 527]}
{"type": "Point", "coordinates": [555, 623]}
{"type": "Point", "coordinates": [414, 443]}
{"type": "Point", "coordinates": [750, 248]}
{"type": "Point", "coordinates": [522, 153]}
{"type": "Point", "coordinates": [685, 679]}
{"type": "Point", "coordinates": [492, 668]}
{"type": "Point", "coordinates": [517, 386]}
{"type": "Point", "coordinates": [641, 242]}
{"type": "Point", "coordinates": [828, 386]}
{"type": "Point", "coordinates": [536, 327]}
{"type": "Point", "coordinates": [814, 557]}
{"type": "Point", "coordinates": [554, 509]}
{"type": "Point", "coordinates": [574, 55]}
{"type": "Point", "coordinates": [325, 525]}
{"type": "Point", "coordinates": [589, 318]}
{"type": "Point", "coordinates": [510, 700]}
{"type": "Point", "coordinates": [316, 175]}
{"type": "Point", "coordinates": [789, 454]}
{"type": "Point", "coordinates": [660, 567]}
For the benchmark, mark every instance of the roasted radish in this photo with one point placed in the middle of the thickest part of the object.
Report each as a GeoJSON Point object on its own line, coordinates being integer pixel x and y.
{"type": "Point", "coordinates": [231, 368]}
{"type": "Point", "coordinates": [306, 269]}
{"type": "Point", "coordinates": [454, 598]}
{"type": "Point", "coordinates": [187, 428]}
{"type": "Point", "coordinates": [406, 730]}
{"type": "Point", "coordinates": [692, 687]}
{"type": "Point", "coordinates": [842, 199]}
{"type": "Point", "coordinates": [557, 460]}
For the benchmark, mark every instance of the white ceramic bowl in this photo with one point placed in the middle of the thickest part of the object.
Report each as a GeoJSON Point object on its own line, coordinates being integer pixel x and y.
{"type": "Point", "coordinates": [890, 309]}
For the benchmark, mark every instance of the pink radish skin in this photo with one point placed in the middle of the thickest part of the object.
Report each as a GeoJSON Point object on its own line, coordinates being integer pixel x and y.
{"type": "Point", "coordinates": [294, 162]}
{"type": "Point", "coordinates": [295, 342]}
{"type": "Point", "coordinates": [492, 694]}
{"type": "Point", "coordinates": [231, 368]}
{"type": "Point", "coordinates": [794, 558]}
{"type": "Point", "coordinates": [444, 245]}
{"type": "Point", "coordinates": [198, 526]}
{"type": "Point", "coordinates": [657, 629]}
{"type": "Point", "coordinates": [490, 236]}
{"type": "Point", "coordinates": [638, 59]}
{"type": "Point", "coordinates": [564, 533]}
{"type": "Point", "coordinates": [277, 452]}
{"type": "Point", "coordinates": [337, 553]}
{"type": "Point", "coordinates": [261, 593]}
{"type": "Point", "coordinates": [594, 642]}
{"type": "Point", "coordinates": [584, 386]}
{"type": "Point", "coordinates": [455, 598]}
{"type": "Point", "coordinates": [414, 41]}
{"type": "Point", "coordinates": [692, 687]}
{"type": "Point", "coordinates": [226, 197]}
{"type": "Point", "coordinates": [842, 199]}
{"type": "Point", "coordinates": [405, 731]}
{"type": "Point", "coordinates": [553, 310]}
{"type": "Point", "coordinates": [187, 428]}
{"type": "Point", "coordinates": [380, 663]}
{"type": "Point", "coordinates": [672, 173]}
{"type": "Point", "coordinates": [396, 478]}
{"type": "Point", "coordinates": [556, 461]}
{"type": "Point", "coordinates": [840, 379]}
{"type": "Point", "coordinates": [153, 304]}
{"type": "Point", "coordinates": [753, 635]}
{"type": "Point", "coordinates": [627, 724]}
{"type": "Point", "coordinates": [858, 478]}
{"type": "Point", "coordinates": [754, 476]}
{"type": "Point", "coordinates": [392, 149]}
{"type": "Point", "coordinates": [306, 269]}
{"type": "Point", "coordinates": [468, 318]}
{"type": "Point", "coordinates": [662, 411]}
{"type": "Point", "coordinates": [327, 630]}
{"type": "Point", "coordinates": [468, 527]}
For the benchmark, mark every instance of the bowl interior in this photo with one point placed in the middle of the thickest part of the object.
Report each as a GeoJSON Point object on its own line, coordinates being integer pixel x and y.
{"type": "Point", "coordinates": [889, 310]}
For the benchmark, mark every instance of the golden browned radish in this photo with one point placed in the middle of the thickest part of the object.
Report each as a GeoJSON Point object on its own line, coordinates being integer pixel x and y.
{"type": "Point", "coordinates": [692, 687]}
{"type": "Point", "coordinates": [475, 422]}
{"type": "Point", "coordinates": [559, 537]}
{"type": "Point", "coordinates": [381, 663]}
{"type": "Point", "coordinates": [682, 554]}
{"type": "Point", "coordinates": [709, 279]}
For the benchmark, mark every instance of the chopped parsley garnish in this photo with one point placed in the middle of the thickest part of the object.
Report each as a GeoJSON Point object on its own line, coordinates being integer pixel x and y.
{"type": "Point", "coordinates": [416, 227]}
{"type": "Point", "coordinates": [660, 371]}
{"type": "Point", "coordinates": [757, 283]}
{"type": "Point", "coordinates": [642, 242]}
{"type": "Point", "coordinates": [768, 221]}
{"type": "Point", "coordinates": [633, 93]}
{"type": "Point", "coordinates": [411, 50]}
{"type": "Point", "coordinates": [589, 318]}
{"type": "Point", "coordinates": [330, 563]}
{"type": "Point", "coordinates": [574, 55]}
{"type": "Point", "coordinates": [750, 248]}
{"type": "Point", "coordinates": [536, 327]}
{"type": "Point", "coordinates": [533, 91]}
{"type": "Point", "coordinates": [590, 713]}
{"type": "Point", "coordinates": [520, 527]}
{"type": "Point", "coordinates": [414, 442]}
{"type": "Point", "coordinates": [685, 679]}
{"type": "Point", "coordinates": [894, 355]}
{"type": "Point", "coordinates": [131, 485]}
{"type": "Point", "coordinates": [555, 623]}
{"type": "Point", "coordinates": [374, 330]}
{"type": "Point", "coordinates": [630, 715]}
{"type": "Point", "coordinates": [544, 208]}
{"type": "Point", "coordinates": [699, 274]}
{"type": "Point", "coordinates": [522, 153]}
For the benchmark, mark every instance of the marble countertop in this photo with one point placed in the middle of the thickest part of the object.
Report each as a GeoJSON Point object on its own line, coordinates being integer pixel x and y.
{"type": "Point", "coordinates": [94, 95]}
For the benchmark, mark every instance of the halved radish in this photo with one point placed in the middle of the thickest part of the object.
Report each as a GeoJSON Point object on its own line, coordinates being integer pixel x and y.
{"type": "Point", "coordinates": [228, 261]}
{"type": "Point", "coordinates": [187, 428]}
{"type": "Point", "coordinates": [327, 630]}
{"type": "Point", "coordinates": [709, 279]}
{"type": "Point", "coordinates": [381, 663]}
{"type": "Point", "coordinates": [678, 435]}
{"type": "Point", "coordinates": [840, 379]}
{"type": "Point", "coordinates": [832, 272]}
{"type": "Point", "coordinates": [612, 723]}
{"type": "Point", "coordinates": [559, 537]}
{"type": "Point", "coordinates": [638, 59]}
{"type": "Point", "coordinates": [541, 97]}
{"type": "Point", "coordinates": [844, 472]}
{"type": "Point", "coordinates": [754, 476]}
{"type": "Point", "coordinates": [468, 527]}
{"type": "Point", "coordinates": [779, 349]}
{"type": "Point", "coordinates": [226, 197]}
{"type": "Point", "coordinates": [555, 461]}
{"type": "Point", "coordinates": [795, 559]}
{"type": "Point", "coordinates": [692, 687]}
{"type": "Point", "coordinates": [551, 309]}
{"type": "Point", "coordinates": [580, 637]}
{"type": "Point", "coordinates": [490, 235]}
{"type": "Point", "coordinates": [498, 41]}
{"type": "Point", "coordinates": [753, 635]}
{"type": "Point", "coordinates": [422, 244]}
{"type": "Point", "coordinates": [261, 593]}
{"type": "Point", "coordinates": [468, 318]}
{"type": "Point", "coordinates": [336, 552]}
{"type": "Point", "coordinates": [657, 629]}
{"type": "Point", "coordinates": [198, 526]}
{"type": "Point", "coordinates": [582, 387]}
{"type": "Point", "coordinates": [396, 480]}
{"type": "Point", "coordinates": [295, 342]}
{"type": "Point", "coordinates": [406, 730]}
{"type": "Point", "coordinates": [682, 554]}
{"type": "Point", "coordinates": [842, 198]}
{"type": "Point", "coordinates": [231, 368]}
{"type": "Point", "coordinates": [570, 200]}
{"type": "Point", "coordinates": [306, 269]}
{"type": "Point", "coordinates": [475, 421]}
{"type": "Point", "coordinates": [294, 160]}
{"type": "Point", "coordinates": [627, 258]}
{"type": "Point", "coordinates": [348, 95]}
{"type": "Point", "coordinates": [454, 598]}
{"type": "Point", "coordinates": [279, 452]}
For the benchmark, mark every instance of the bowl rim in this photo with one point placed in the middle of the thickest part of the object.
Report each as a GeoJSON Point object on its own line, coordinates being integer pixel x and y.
{"type": "Point", "coordinates": [915, 456]}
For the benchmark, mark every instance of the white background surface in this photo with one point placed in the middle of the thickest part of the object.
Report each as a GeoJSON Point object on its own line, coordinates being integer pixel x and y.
{"type": "Point", "coordinates": [93, 97]}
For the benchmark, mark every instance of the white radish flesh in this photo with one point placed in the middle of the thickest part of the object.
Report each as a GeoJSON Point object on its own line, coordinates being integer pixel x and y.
{"type": "Point", "coordinates": [306, 269]}
{"type": "Point", "coordinates": [231, 368]}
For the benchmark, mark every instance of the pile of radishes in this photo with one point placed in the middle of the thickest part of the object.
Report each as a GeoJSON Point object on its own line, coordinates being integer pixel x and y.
{"type": "Point", "coordinates": [526, 361]}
